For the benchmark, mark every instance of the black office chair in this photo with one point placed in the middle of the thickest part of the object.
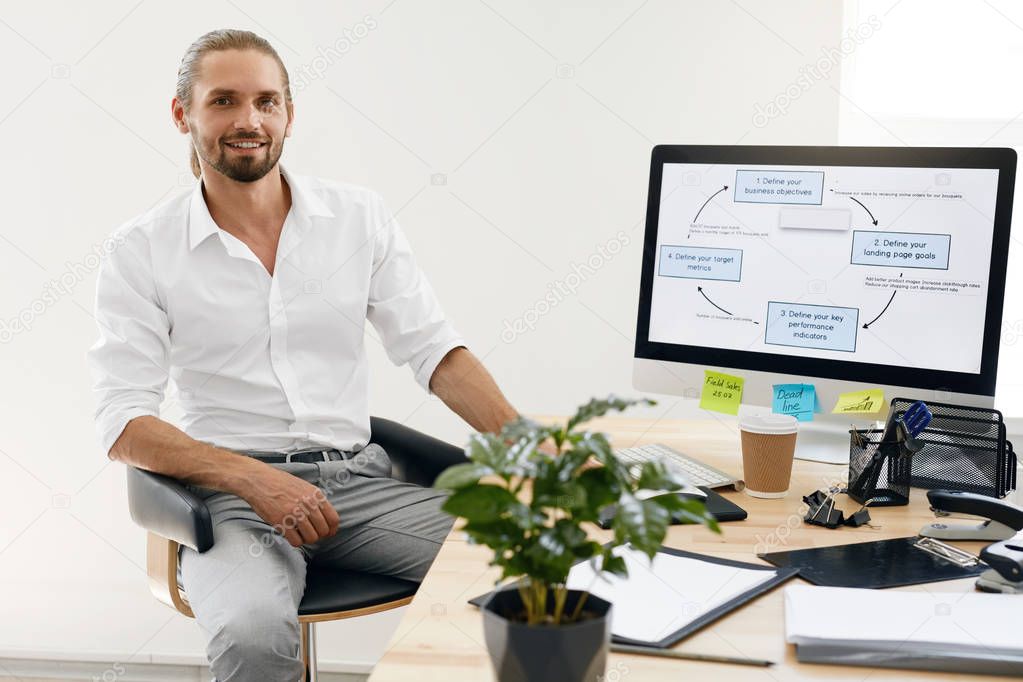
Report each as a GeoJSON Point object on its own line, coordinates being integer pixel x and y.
{"type": "Point", "coordinates": [174, 516]}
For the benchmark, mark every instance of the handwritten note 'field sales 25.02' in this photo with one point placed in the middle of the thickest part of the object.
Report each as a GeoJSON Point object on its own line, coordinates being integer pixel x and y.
{"type": "Point", "coordinates": [721, 392]}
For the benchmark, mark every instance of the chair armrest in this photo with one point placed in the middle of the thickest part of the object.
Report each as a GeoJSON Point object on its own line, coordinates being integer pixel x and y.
{"type": "Point", "coordinates": [415, 457]}
{"type": "Point", "coordinates": [164, 506]}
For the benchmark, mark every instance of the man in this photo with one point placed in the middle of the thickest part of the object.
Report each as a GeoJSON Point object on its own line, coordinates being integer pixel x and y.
{"type": "Point", "coordinates": [252, 291]}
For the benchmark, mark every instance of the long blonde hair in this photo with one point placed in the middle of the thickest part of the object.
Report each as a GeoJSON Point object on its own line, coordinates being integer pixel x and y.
{"type": "Point", "coordinates": [215, 41]}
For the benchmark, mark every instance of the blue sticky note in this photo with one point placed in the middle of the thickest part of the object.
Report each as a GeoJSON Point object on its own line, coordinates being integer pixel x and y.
{"type": "Point", "coordinates": [797, 400]}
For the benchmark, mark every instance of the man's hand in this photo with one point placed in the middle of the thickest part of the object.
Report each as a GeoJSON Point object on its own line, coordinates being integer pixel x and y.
{"type": "Point", "coordinates": [295, 508]}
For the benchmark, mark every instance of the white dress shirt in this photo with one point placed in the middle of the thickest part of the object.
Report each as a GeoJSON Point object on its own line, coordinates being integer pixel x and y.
{"type": "Point", "coordinates": [260, 362]}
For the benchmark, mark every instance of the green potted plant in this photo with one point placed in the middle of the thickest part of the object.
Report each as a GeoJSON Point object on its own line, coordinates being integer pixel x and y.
{"type": "Point", "coordinates": [529, 493]}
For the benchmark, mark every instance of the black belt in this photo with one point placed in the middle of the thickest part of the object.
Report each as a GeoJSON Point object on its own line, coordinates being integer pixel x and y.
{"type": "Point", "coordinates": [330, 455]}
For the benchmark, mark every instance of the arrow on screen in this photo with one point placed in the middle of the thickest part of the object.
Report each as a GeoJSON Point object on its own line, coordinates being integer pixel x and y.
{"type": "Point", "coordinates": [865, 209]}
{"type": "Point", "coordinates": [867, 325]}
{"type": "Point", "coordinates": [700, 289]}
{"type": "Point", "coordinates": [708, 201]}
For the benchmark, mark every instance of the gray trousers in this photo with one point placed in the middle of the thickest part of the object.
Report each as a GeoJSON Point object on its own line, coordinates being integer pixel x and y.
{"type": "Point", "coordinates": [246, 589]}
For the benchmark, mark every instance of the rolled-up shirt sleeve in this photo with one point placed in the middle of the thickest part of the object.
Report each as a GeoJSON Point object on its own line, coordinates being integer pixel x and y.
{"type": "Point", "coordinates": [402, 305]}
{"type": "Point", "coordinates": [130, 359]}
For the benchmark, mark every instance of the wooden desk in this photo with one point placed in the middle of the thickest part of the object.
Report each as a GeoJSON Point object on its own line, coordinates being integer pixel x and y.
{"type": "Point", "coordinates": [441, 636]}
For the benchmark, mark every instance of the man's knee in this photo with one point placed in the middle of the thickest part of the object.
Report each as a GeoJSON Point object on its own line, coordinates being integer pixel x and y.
{"type": "Point", "coordinates": [437, 525]}
{"type": "Point", "coordinates": [439, 522]}
{"type": "Point", "coordinates": [256, 642]}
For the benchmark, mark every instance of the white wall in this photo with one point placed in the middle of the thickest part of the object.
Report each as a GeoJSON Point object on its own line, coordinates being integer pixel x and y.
{"type": "Point", "coordinates": [514, 137]}
{"type": "Point", "coordinates": [942, 73]}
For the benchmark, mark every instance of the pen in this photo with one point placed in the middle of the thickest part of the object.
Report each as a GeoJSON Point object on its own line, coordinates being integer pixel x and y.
{"type": "Point", "coordinates": [670, 653]}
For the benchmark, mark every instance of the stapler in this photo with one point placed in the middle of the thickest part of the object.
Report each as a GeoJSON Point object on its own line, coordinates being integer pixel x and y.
{"type": "Point", "coordinates": [1000, 520]}
{"type": "Point", "coordinates": [1006, 561]}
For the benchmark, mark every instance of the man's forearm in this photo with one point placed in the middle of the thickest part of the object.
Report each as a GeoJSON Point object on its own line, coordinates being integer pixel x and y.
{"type": "Point", "coordinates": [154, 445]}
{"type": "Point", "coordinates": [465, 385]}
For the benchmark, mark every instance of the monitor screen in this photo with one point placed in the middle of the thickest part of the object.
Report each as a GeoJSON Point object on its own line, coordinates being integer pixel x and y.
{"type": "Point", "coordinates": [874, 265]}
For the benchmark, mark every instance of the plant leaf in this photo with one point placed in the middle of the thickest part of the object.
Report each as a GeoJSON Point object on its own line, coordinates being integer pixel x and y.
{"type": "Point", "coordinates": [658, 475]}
{"type": "Point", "coordinates": [688, 509]}
{"type": "Point", "coordinates": [601, 489]}
{"type": "Point", "coordinates": [598, 408]}
{"type": "Point", "coordinates": [498, 534]}
{"type": "Point", "coordinates": [543, 539]}
{"type": "Point", "coordinates": [525, 517]}
{"type": "Point", "coordinates": [612, 563]}
{"type": "Point", "coordinates": [487, 449]}
{"type": "Point", "coordinates": [595, 444]}
{"type": "Point", "coordinates": [553, 486]}
{"type": "Point", "coordinates": [556, 549]}
{"type": "Point", "coordinates": [461, 475]}
{"type": "Point", "coordinates": [641, 523]}
{"type": "Point", "coordinates": [481, 502]}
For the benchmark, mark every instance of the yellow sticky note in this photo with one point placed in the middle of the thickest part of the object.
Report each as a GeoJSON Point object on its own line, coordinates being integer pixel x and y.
{"type": "Point", "coordinates": [721, 392]}
{"type": "Point", "coordinates": [869, 401]}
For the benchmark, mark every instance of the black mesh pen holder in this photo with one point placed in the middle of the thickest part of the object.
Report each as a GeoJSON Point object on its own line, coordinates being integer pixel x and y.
{"type": "Point", "coordinates": [879, 471]}
{"type": "Point", "coordinates": [963, 448]}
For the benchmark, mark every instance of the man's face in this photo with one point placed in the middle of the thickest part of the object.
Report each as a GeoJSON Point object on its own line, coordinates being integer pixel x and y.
{"type": "Point", "coordinates": [238, 116]}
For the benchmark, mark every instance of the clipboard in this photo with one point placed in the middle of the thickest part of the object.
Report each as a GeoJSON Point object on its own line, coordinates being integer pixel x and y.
{"type": "Point", "coordinates": [780, 576]}
{"type": "Point", "coordinates": [876, 564]}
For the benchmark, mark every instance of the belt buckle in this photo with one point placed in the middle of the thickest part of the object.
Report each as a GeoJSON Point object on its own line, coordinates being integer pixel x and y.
{"type": "Point", "coordinates": [323, 455]}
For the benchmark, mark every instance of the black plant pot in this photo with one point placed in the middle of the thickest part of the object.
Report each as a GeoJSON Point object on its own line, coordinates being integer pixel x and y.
{"type": "Point", "coordinates": [575, 652]}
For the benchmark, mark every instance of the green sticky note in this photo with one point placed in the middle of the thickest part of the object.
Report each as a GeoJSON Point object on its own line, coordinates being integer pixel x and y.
{"type": "Point", "coordinates": [869, 401]}
{"type": "Point", "coordinates": [721, 392]}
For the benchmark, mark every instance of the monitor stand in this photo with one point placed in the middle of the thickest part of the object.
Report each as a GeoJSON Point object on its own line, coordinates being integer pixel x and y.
{"type": "Point", "coordinates": [823, 441]}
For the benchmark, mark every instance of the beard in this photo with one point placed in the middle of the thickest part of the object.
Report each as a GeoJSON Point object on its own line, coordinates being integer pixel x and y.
{"type": "Point", "coordinates": [242, 167]}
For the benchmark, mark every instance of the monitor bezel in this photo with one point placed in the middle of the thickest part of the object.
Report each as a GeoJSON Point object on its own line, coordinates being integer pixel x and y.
{"type": "Point", "coordinates": [1001, 159]}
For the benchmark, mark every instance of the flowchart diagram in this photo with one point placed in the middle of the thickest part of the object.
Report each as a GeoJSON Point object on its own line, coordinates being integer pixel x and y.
{"type": "Point", "coordinates": [858, 263]}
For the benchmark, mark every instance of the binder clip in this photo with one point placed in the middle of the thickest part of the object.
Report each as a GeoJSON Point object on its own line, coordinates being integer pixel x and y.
{"type": "Point", "coordinates": [822, 511]}
{"type": "Point", "coordinates": [860, 517]}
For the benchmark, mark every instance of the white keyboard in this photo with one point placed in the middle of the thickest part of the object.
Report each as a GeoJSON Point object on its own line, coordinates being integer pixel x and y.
{"type": "Point", "coordinates": [696, 471]}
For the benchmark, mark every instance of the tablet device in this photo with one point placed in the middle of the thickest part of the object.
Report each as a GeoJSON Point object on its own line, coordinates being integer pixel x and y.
{"type": "Point", "coordinates": [721, 508]}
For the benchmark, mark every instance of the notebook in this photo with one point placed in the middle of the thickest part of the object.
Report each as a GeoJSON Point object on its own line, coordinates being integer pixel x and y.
{"type": "Point", "coordinates": [948, 631]}
{"type": "Point", "coordinates": [663, 602]}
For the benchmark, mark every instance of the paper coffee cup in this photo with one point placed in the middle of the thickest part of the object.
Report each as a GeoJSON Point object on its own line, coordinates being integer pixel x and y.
{"type": "Point", "coordinates": [768, 444]}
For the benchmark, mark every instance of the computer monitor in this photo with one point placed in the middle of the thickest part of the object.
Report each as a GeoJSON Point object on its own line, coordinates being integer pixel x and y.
{"type": "Point", "coordinates": [842, 267]}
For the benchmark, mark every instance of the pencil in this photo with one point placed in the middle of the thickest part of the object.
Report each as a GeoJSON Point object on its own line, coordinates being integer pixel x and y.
{"type": "Point", "coordinates": [670, 653]}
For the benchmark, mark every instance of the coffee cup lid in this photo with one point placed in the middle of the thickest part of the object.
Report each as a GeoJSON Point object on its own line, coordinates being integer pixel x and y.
{"type": "Point", "coordinates": [769, 423]}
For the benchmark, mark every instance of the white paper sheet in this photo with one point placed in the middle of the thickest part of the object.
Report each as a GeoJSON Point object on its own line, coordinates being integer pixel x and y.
{"type": "Point", "coordinates": [907, 621]}
{"type": "Point", "coordinates": [659, 598]}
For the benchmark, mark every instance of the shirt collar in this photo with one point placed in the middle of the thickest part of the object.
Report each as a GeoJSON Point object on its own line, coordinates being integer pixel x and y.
{"type": "Point", "coordinates": [304, 205]}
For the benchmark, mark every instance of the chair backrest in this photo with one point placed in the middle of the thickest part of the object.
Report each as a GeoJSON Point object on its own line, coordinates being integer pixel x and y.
{"type": "Point", "coordinates": [415, 457]}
